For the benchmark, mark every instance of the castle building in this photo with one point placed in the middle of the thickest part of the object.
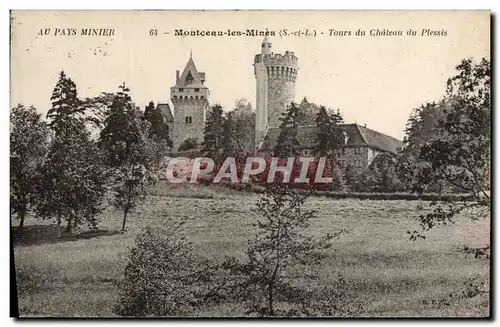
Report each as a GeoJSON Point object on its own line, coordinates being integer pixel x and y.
{"type": "Point", "coordinates": [275, 79]}
{"type": "Point", "coordinates": [275, 75]}
{"type": "Point", "coordinates": [361, 144]}
{"type": "Point", "coordinates": [189, 97]}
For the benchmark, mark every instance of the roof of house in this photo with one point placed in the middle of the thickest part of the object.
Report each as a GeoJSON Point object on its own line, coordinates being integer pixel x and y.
{"type": "Point", "coordinates": [196, 78]}
{"type": "Point", "coordinates": [356, 136]}
{"type": "Point", "coordinates": [166, 112]}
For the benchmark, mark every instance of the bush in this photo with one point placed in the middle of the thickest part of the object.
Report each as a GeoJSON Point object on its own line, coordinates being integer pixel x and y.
{"type": "Point", "coordinates": [162, 276]}
{"type": "Point", "coordinates": [188, 144]}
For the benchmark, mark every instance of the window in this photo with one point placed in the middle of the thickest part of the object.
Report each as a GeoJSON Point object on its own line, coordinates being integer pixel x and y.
{"type": "Point", "coordinates": [181, 90]}
{"type": "Point", "coordinates": [197, 90]}
{"type": "Point", "coordinates": [344, 150]}
{"type": "Point", "coordinates": [306, 152]}
{"type": "Point", "coordinates": [189, 120]}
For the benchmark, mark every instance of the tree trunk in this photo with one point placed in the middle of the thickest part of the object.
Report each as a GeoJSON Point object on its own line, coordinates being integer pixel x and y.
{"type": "Point", "coordinates": [68, 226]}
{"type": "Point", "coordinates": [59, 234]}
{"type": "Point", "coordinates": [125, 212]}
{"type": "Point", "coordinates": [270, 300]}
{"type": "Point", "coordinates": [22, 214]}
{"type": "Point", "coordinates": [127, 207]}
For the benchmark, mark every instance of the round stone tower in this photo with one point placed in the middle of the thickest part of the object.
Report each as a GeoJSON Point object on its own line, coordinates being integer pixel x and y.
{"type": "Point", "coordinates": [275, 75]}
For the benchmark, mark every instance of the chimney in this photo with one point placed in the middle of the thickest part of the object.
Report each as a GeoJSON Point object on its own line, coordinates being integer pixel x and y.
{"type": "Point", "coordinates": [177, 77]}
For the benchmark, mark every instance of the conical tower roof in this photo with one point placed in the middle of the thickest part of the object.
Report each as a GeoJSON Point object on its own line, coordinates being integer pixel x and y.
{"type": "Point", "coordinates": [190, 77]}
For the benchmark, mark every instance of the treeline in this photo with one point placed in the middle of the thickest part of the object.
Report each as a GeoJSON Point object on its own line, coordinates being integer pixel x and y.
{"type": "Point", "coordinates": [86, 154]}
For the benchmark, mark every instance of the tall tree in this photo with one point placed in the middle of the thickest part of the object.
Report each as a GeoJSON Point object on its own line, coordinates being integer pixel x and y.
{"type": "Point", "coordinates": [132, 157]}
{"type": "Point", "coordinates": [73, 183]}
{"type": "Point", "coordinates": [28, 148]}
{"type": "Point", "coordinates": [65, 103]}
{"type": "Point", "coordinates": [264, 275]}
{"type": "Point", "coordinates": [229, 146]}
{"type": "Point", "coordinates": [244, 125]}
{"type": "Point", "coordinates": [212, 144]}
{"type": "Point", "coordinates": [288, 143]}
{"type": "Point", "coordinates": [329, 135]}
{"type": "Point", "coordinates": [462, 157]}
{"type": "Point", "coordinates": [72, 187]}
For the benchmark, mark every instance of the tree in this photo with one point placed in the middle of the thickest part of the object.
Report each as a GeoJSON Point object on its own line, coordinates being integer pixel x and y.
{"type": "Point", "coordinates": [422, 127]}
{"type": "Point", "coordinates": [462, 157]}
{"type": "Point", "coordinates": [351, 178]}
{"type": "Point", "coordinates": [287, 143]}
{"type": "Point", "coordinates": [329, 135]}
{"type": "Point", "coordinates": [149, 110]}
{"type": "Point", "coordinates": [65, 103]}
{"type": "Point", "coordinates": [264, 277]}
{"type": "Point", "coordinates": [244, 126]}
{"type": "Point", "coordinates": [229, 146]}
{"type": "Point", "coordinates": [381, 175]}
{"type": "Point", "coordinates": [159, 129]}
{"type": "Point", "coordinates": [133, 159]}
{"type": "Point", "coordinates": [28, 148]}
{"type": "Point", "coordinates": [212, 144]}
{"type": "Point", "coordinates": [72, 186]}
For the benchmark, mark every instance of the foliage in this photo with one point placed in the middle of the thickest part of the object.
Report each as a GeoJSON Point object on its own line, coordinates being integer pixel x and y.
{"type": "Point", "coordinates": [422, 127]}
{"type": "Point", "coordinates": [212, 145]}
{"type": "Point", "coordinates": [72, 186]}
{"type": "Point", "coordinates": [132, 157]}
{"type": "Point", "coordinates": [188, 144]}
{"type": "Point", "coordinates": [73, 182]}
{"type": "Point", "coordinates": [244, 126]}
{"type": "Point", "coordinates": [381, 175]}
{"type": "Point", "coordinates": [472, 288]}
{"type": "Point", "coordinates": [95, 110]}
{"type": "Point", "coordinates": [264, 279]}
{"type": "Point", "coordinates": [229, 146]}
{"type": "Point", "coordinates": [159, 128]}
{"type": "Point", "coordinates": [329, 137]}
{"type": "Point", "coordinates": [162, 277]}
{"type": "Point", "coordinates": [28, 148]}
{"type": "Point", "coordinates": [65, 104]}
{"type": "Point", "coordinates": [288, 143]}
{"type": "Point", "coordinates": [461, 157]}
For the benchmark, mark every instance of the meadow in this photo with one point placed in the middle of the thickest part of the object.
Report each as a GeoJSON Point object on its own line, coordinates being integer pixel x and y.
{"type": "Point", "coordinates": [75, 276]}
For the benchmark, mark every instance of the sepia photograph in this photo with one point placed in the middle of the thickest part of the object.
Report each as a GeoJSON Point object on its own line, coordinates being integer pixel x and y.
{"type": "Point", "coordinates": [250, 164]}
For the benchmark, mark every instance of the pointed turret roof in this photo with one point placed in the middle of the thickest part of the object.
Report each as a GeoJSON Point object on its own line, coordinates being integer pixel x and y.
{"type": "Point", "coordinates": [190, 77]}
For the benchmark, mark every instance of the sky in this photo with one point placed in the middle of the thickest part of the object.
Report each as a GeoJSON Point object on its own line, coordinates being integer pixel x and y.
{"type": "Point", "coordinates": [373, 80]}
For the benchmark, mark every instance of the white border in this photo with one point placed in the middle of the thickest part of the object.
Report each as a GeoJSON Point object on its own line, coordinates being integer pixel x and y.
{"type": "Point", "coordinates": [200, 4]}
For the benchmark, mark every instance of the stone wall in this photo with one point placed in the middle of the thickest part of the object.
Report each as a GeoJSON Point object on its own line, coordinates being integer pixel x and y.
{"type": "Point", "coordinates": [281, 93]}
{"type": "Point", "coordinates": [193, 128]}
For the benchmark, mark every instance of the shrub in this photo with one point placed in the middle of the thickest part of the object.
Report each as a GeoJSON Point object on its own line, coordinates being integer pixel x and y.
{"type": "Point", "coordinates": [162, 276]}
{"type": "Point", "coordinates": [188, 144]}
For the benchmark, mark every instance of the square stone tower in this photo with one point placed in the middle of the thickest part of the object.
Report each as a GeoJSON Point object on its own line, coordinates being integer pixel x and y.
{"type": "Point", "coordinates": [189, 96]}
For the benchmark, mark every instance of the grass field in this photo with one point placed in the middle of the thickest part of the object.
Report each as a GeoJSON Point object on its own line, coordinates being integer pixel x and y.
{"type": "Point", "coordinates": [75, 276]}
